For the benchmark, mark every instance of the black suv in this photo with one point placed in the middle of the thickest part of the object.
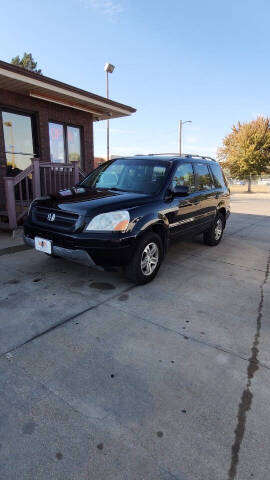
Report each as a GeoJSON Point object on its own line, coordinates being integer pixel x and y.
{"type": "Point", "coordinates": [125, 212]}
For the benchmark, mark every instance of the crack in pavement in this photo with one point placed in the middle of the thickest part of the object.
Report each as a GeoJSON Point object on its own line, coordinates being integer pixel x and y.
{"type": "Point", "coordinates": [229, 233]}
{"type": "Point", "coordinates": [66, 320]}
{"type": "Point", "coordinates": [91, 419]}
{"type": "Point", "coordinates": [171, 475]}
{"type": "Point", "coordinates": [193, 339]}
{"type": "Point", "coordinates": [219, 260]}
{"type": "Point", "coordinates": [247, 395]}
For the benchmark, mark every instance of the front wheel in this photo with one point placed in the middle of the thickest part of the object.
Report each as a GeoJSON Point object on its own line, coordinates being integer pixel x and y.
{"type": "Point", "coordinates": [146, 261]}
{"type": "Point", "coordinates": [214, 235]}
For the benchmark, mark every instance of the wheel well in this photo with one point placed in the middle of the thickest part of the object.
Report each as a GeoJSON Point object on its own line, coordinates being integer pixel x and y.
{"type": "Point", "coordinates": [222, 210]}
{"type": "Point", "coordinates": [161, 231]}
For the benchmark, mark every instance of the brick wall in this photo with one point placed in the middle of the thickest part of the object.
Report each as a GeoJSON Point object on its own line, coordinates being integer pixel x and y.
{"type": "Point", "coordinates": [44, 112]}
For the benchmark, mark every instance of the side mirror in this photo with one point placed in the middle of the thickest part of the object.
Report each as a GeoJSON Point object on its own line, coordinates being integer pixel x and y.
{"type": "Point", "coordinates": [180, 191]}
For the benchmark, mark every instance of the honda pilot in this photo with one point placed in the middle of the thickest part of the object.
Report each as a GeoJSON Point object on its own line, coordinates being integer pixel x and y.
{"type": "Point", "coordinates": [125, 212]}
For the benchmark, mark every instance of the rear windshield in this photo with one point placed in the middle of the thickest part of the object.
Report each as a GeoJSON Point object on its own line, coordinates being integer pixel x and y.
{"type": "Point", "coordinates": [129, 175]}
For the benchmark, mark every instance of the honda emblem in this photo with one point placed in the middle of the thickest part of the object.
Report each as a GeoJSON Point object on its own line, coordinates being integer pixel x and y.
{"type": "Point", "coordinates": [51, 217]}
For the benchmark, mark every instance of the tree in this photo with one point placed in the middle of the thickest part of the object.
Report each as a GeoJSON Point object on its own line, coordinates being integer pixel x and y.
{"type": "Point", "coordinates": [246, 150]}
{"type": "Point", "coordinates": [26, 62]}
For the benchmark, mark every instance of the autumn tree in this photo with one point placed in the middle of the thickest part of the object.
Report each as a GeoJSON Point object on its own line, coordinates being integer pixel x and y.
{"type": "Point", "coordinates": [246, 150]}
{"type": "Point", "coordinates": [26, 62]}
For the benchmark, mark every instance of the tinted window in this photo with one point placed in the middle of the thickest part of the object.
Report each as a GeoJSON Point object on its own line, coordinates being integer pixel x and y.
{"type": "Point", "coordinates": [218, 175]}
{"type": "Point", "coordinates": [203, 177]}
{"type": "Point", "coordinates": [141, 176]}
{"type": "Point", "coordinates": [184, 176]}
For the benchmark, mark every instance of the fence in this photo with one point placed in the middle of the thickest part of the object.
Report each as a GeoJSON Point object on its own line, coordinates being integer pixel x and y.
{"type": "Point", "coordinates": [36, 180]}
{"type": "Point", "coordinates": [253, 183]}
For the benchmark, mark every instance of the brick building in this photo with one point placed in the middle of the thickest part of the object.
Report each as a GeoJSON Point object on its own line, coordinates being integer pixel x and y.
{"type": "Point", "coordinates": [47, 119]}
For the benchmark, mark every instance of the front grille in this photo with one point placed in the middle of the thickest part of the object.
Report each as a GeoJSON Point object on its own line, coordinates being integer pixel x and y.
{"type": "Point", "coordinates": [60, 220]}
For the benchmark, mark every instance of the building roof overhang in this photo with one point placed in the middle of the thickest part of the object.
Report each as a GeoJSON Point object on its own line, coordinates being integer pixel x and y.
{"type": "Point", "coordinates": [22, 81]}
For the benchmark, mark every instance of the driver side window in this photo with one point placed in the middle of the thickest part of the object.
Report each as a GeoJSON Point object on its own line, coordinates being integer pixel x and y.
{"type": "Point", "coordinates": [184, 176]}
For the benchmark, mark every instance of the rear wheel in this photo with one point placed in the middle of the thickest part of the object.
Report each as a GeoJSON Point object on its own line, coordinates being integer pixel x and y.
{"type": "Point", "coordinates": [214, 235]}
{"type": "Point", "coordinates": [146, 261]}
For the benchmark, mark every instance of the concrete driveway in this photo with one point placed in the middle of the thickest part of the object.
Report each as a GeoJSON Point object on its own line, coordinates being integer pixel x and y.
{"type": "Point", "coordinates": [102, 380]}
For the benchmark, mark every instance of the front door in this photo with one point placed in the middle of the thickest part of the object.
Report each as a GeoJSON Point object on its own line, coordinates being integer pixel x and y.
{"type": "Point", "coordinates": [182, 212]}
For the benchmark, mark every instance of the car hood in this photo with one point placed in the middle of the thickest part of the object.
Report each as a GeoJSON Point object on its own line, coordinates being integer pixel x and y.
{"type": "Point", "coordinates": [89, 202]}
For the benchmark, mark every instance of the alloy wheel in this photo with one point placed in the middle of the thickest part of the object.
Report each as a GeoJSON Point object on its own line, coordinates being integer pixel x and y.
{"type": "Point", "coordinates": [218, 229]}
{"type": "Point", "coordinates": [149, 259]}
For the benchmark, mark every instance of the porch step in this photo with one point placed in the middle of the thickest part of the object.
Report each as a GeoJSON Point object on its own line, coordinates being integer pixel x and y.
{"type": "Point", "coordinates": [4, 225]}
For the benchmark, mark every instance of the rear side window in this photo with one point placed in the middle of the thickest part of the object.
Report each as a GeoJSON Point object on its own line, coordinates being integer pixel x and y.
{"type": "Point", "coordinates": [218, 175]}
{"type": "Point", "coordinates": [203, 177]}
{"type": "Point", "coordinates": [184, 176]}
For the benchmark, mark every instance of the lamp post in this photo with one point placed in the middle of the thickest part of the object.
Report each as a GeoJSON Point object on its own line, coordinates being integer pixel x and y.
{"type": "Point", "coordinates": [109, 68]}
{"type": "Point", "coordinates": [10, 124]}
{"type": "Point", "coordinates": [181, 123]}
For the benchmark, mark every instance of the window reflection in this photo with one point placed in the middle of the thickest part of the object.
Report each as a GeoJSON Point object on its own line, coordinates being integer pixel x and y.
{"type": "Point", "coordinates": [74, 144]}
{"type": "Point", "coordinates": [65, 143]}
{"type": "Point", "coordinates": [18, 141]}
{"type": "Point", "coordinates": [57, 148]}
{"type": "Point", "coordinates": [204, 180]}
{"type": "Point", "coordinates": [184, 176]}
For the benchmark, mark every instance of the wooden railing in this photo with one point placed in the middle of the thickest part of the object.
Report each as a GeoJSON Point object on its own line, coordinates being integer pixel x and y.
{"type": "Point", "coordinates": [39, 179]}
{"type": "Point", "coordinates": [56, 176]}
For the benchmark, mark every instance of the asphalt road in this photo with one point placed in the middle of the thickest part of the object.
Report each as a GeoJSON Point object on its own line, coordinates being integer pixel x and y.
{"type": "Point", "coordinates": [102, 380]}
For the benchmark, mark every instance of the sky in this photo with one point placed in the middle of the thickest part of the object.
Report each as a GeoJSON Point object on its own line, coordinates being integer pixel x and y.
{"type": "Point", "coordinates": [201, 60]}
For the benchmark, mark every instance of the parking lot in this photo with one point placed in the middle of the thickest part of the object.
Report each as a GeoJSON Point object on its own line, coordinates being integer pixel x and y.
{"type": "Point", "coordinates": [102, 380]}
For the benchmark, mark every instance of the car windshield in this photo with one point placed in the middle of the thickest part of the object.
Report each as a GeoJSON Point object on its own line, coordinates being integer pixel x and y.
{"type": "Point", "coordinates": [129, 175]}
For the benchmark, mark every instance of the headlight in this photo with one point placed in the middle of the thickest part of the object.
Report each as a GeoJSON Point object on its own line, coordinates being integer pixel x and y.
{"type": "Point", "coordinates": [111, 221]}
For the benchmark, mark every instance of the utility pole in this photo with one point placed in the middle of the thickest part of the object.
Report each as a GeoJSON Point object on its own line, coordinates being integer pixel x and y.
{"type": "Point", "coordinates": [109, 68]}
{"type": "Point", "coordinates": [108, 121]}
{"type": "Point", "coordinates": [180, 138]}
{"type": "Point", "coordinates": [181, 123]}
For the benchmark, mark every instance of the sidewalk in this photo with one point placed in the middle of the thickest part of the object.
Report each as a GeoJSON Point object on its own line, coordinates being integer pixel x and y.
{"type": "Point", "coordinates": [10, 243]}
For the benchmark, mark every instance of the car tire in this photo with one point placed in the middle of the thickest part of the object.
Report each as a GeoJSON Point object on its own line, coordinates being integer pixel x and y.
{"type": "Point", "coordinates": [146, 260]}
{"type": "Point", "coordinates": [214, 234]}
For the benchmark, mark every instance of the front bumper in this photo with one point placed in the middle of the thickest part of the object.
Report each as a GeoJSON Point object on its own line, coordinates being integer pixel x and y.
{"type": "Point", "coordinates": [78, 256]}
{"type": "Point", "coordinates": [99, 249]}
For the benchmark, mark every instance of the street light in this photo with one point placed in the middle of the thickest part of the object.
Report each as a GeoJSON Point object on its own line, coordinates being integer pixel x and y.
{"type": "Point", "coordinates": [10, 124]}
{"type": "Point", "coordinates": [181, 123]}
{"type": "Point", "coordinates": [109, 68]}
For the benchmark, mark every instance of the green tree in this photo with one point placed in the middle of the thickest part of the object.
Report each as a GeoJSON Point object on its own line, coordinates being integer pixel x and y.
{"type": "Point", "coordinates": [246, 150]}
{"type": "Point", "coordinates": [26, 62]}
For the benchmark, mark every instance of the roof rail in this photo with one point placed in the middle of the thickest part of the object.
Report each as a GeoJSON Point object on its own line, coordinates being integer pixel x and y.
{"type": "Point", "coordinates": [178, 155]}
{"type": "Point", "coordinates": [166, 153]}
{"type": "Point", "coordinates": [153, 154]}
{"type": "Point", "coordinates": [204, 157]}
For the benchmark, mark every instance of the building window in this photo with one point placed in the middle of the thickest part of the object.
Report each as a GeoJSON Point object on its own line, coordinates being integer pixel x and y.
{"type": "Point", "coordinates": [18, 137]}
{"type": "Point", "coordinates": [57, 143]}
{"type": "Point", "coordinates": [74, 144]}
{"type": "Point", "coordinates": [65, 143]}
